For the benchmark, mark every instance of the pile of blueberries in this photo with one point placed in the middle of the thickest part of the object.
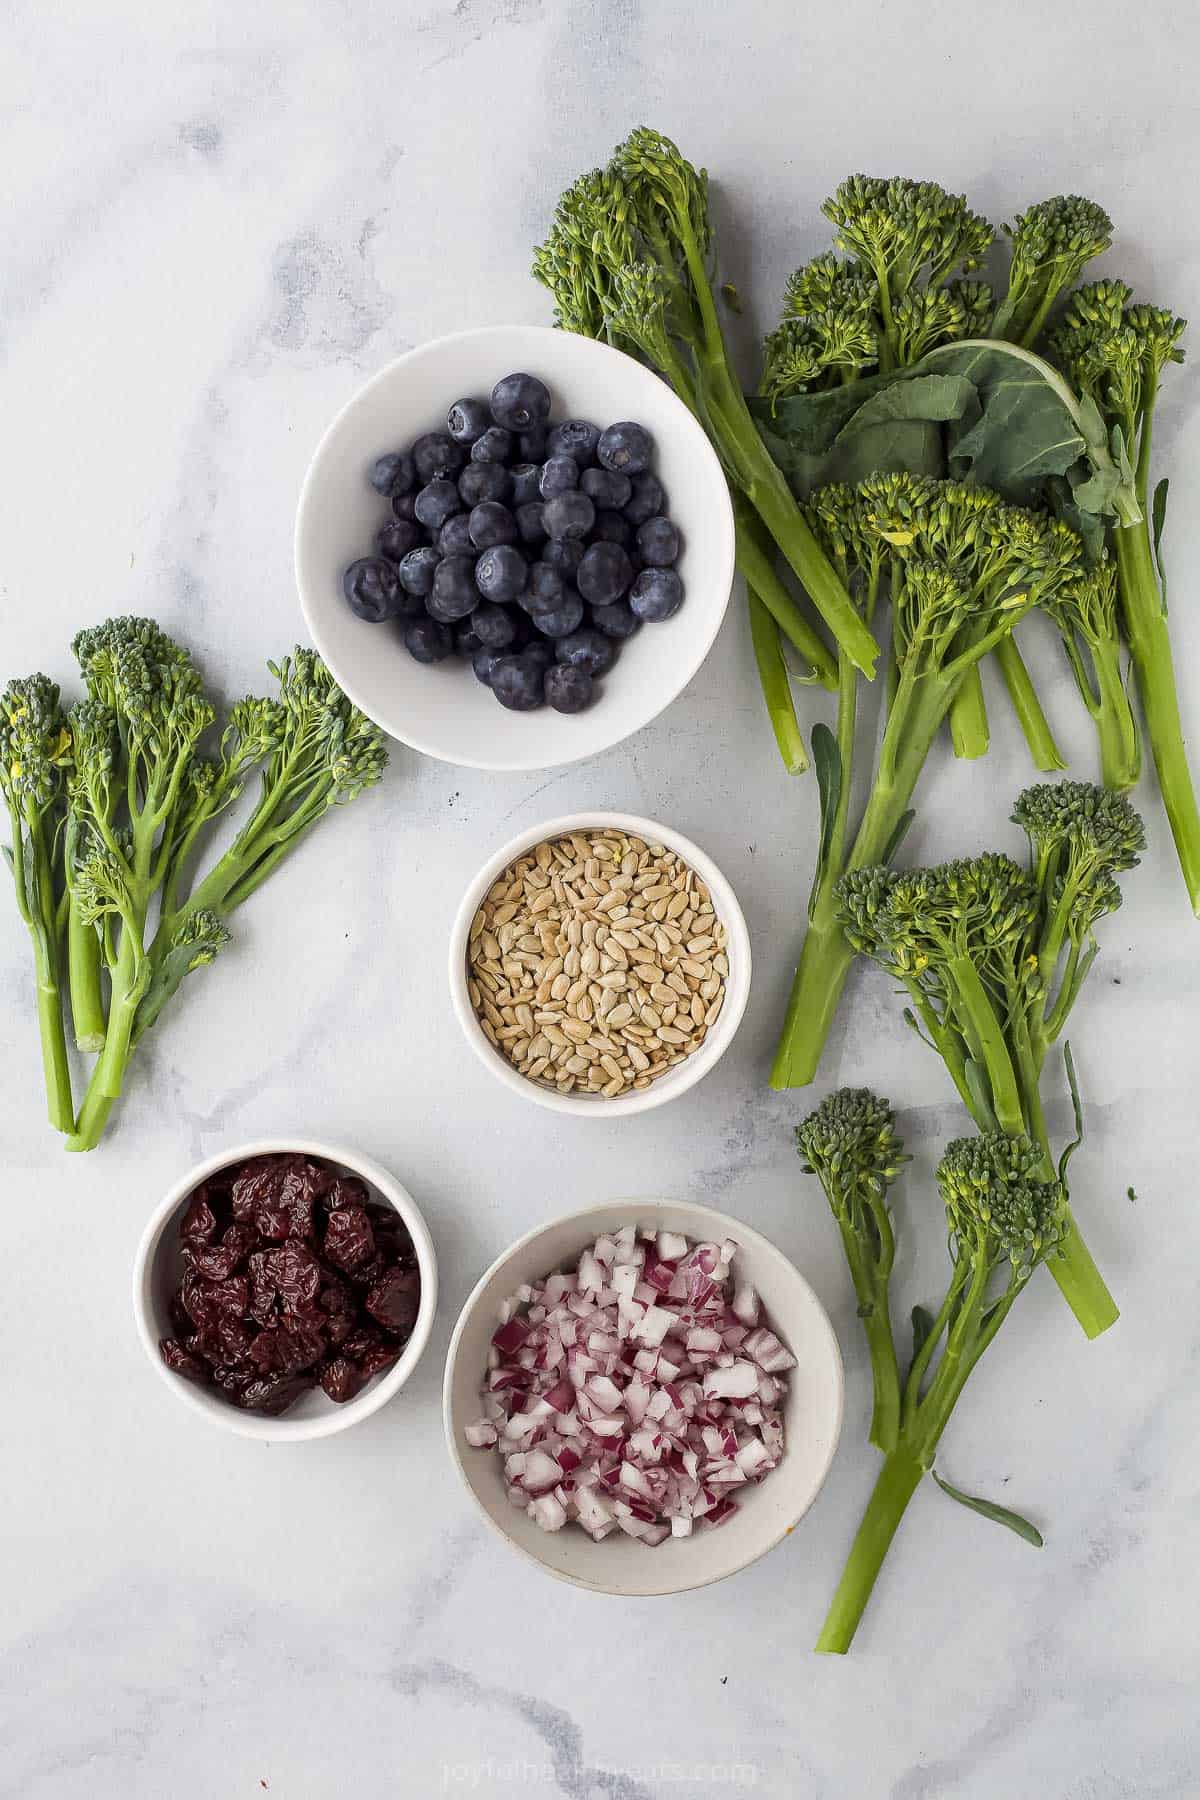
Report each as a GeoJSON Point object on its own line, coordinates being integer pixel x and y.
{"type": "Point", "coordinates": [532, 549]}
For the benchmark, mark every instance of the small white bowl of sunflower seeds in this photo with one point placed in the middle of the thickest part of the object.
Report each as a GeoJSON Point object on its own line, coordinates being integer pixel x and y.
{"type": "Point", "coordinates": [600, 964]}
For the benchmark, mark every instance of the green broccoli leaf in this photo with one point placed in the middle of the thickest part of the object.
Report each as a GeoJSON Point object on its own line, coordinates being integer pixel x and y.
{"type": "Point", "coordinates": [886, 422]}
{"type": "Point", "coordinates": [827, 761]}
{"type": "Point", "coordinates": [1000, 1515]}
{"type": "Point", "coordinates": [1022, 432]}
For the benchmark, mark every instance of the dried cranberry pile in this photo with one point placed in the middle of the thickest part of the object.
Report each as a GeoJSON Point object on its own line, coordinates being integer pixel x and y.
{"type": "Point", "coordinates": [293, 1277]}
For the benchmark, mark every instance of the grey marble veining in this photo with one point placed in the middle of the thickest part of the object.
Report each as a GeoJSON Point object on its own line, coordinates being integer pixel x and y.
{"type": "Point", "coordinates": [217, 221]}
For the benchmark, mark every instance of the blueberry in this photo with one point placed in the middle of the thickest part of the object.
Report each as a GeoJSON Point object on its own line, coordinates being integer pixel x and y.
{"type": "Point", "coordinates": [418, 570]}
{"type": "Point", "coordinates": [454, 593]}
{"type": "Point", "coordinates": [404, 507]}
{"type": "Point", "coordinates": [568, 690]}
{"type": "Point", "coordinates": [494, 446]}
{"type": "Point", "coordinates": [604, 574]}
{"type": "Point", "coordinates": [372, 589]}
{"type": "Point", "coordinates": [392, 474]}
{"type": "Point", "coordinates": [531, 445]}
{"type": "Point", "coordinates": [437, 501]}
{"type": "Point", "coordinates": [606, 487]}
{"type": "Point", "coordinates": [395, 539]}
{"type": "Point", "coordinates": [546, 588]}
{"type": "Point", "coordinates": [612, 528]}
{"type": "Point", "coordinates": [569, 516]}
{"type": "Point", "coordinates": [588, 650]}
{"type": "Point", "coordinates": [492, 524]}
{"type": "Point", "coordinates": [561, 620]}
{"type": "Point", "coordinates": [531, 525]}
{"type": "Point", "coordinates": [466, 639]}
{"type": "Point", "coordinates": [559, 475]}
{"type": "Point", "coordinates": [525, 483]}
{"type": "Point", "coordinates": [658, 542]}
{"type": "Point", "coordinates": [647, 499]}
{"type": "Point", "coordinates": [436, 454]}
{"type": "Point", "coordinates": [501, 573]}
{"type": "Point", "coordinates": [574, 437]}
{"type": "Point", "coordinates": [656, 594]}
{"type": "Point", "coordinates": [616, 621]}
{"type": "Point", "coordinates": [454, 539]}
{"type": "Point", "coordinates": [625, 447]}
{"type": "Point", "coordinates": [493, 626]}
{"type": "Point", "coordinates": [483, 481]}
{"type": "Point", "coordinates": [539, 655]}
{"type": "Point", "coordinates": [564, 556]}
{"type": "Point", "coordinates": [517, 683]}
{"type": "Point", "coordinates": [427, 640]}
{"type": "Point", "coordinates": [468, 420]}
{"type": "Point", "coordinates": [520, 402]}
{"type": "Point", "coordinates": [485, 663]}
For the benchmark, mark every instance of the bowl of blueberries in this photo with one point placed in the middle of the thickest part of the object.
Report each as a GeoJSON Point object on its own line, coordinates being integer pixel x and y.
{"type": "Point", "coordinates": [514, 547]}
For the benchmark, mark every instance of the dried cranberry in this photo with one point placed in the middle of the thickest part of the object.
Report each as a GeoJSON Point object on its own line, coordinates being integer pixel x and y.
{"type": "Point", "coordinates": [273, 1394]}
{"type": "Point", "coordinates": [216, 1262]}
{"type": "Point", "coordinates": [360, 1343]}
{"type": "Point", "coordinates": [285, 1349]}
{"type": "Point", "coordinates": [349, 1239]}
{"type": "Point", "coordinates": [261, 1306]}
{"type": "Point", "coordinates": [342, 1379]}
{"type": "Point", "coordinates": [296, 1273]}
{"type": "Point", "coordinates": [346, 1190]}
{"type": "Point", "coordinates": [257, 1183]}
{"type": "Point", "coordinates": [181, 1320]}
{"type": "Point", "coordinates": [225, 1341]}
{"type": "Point", "coordinates": [381, 1356]}
{"type": "Point", "coordinates": [183, 1362]}
{"type": "Point", "coordinates": [395, 1299]}
{"type": "Point", "coordinates": [199, 1221]}
{"type": "Point", "coordinates": [233, 1382]}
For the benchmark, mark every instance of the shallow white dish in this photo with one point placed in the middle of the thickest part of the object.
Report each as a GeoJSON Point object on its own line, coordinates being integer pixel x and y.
{"type": "Point", "coordinates": [766, 1512]}
{"type": "Point", "coordinates": [443, 710]}
{"type": "Point", "coordinates": [158, 1265]}
{"type": "Point", "coordinates": [737, 984]}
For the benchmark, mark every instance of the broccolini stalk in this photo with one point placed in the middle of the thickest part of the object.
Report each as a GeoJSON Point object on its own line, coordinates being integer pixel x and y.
{"type": "Point", "coordinates": [629, 259]}
{"type": "Point", "coordinates": [1003, 1219]}
{"type": "Point", "coordinates": [1115, 354]}
{"type": "Point", "coordinates": [35, 755]}
{"type": "Point", "coordinates": [960, 568]}
{"type": "Point", "coordinates": [993, 957]}
{"type": "Point", "coordinates": [321, 753]}
{"type": "Point", "coordinates": [1085, 611]}
{"type": "Point", "coordinates": [850, 1143]}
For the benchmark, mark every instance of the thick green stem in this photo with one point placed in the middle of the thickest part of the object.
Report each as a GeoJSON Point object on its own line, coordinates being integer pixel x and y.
{"type": "Point", "coordinates": [129, 979]}
{"type": "Point", "coordinates": [84, 978]}
{"type": "Point", "coordinates": [1149, 642]}
{"type": "Point", "coordinates": [772, 500]}
{"type": "Point", "coordinates": [755, 563]}
{"type": "Point", "coordinates": [898, 1481]}
{"type": "Point", "coordinates": [60, 1103]}
{"type": "Point", "coordinates": [777, 691]}
{"type": "Point", "coordinates": [1116, 727]}
{"type": "Point", "coordinates": [985, 1037]}
{"type": "Point", "coordinates": [1028, 708]}
{"type": "Point", "coordinates": [1082, 1285]}
{"type": "Point", "coordinates": [968, 718]}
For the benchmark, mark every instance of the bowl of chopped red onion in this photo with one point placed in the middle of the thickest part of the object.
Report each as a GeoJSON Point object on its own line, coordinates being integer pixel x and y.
{"type": "Point", "coordinates": [643, 1397]}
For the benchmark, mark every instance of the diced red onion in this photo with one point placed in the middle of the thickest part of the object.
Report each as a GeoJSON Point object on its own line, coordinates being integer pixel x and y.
{"type": "Point", "coordinates": [636, 1391]}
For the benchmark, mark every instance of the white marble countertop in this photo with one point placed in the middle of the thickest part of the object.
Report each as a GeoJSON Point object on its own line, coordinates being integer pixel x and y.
{"type": "Point", "coordinates": [218, 220]}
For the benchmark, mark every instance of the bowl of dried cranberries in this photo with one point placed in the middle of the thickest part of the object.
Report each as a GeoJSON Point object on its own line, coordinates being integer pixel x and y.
{"type": "Point", "coordinates": [286, 1290]}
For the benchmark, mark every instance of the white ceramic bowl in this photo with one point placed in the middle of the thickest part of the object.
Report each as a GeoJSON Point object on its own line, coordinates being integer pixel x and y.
{"type": "Point", "coordinates": [737, 986]}
{"type": "Point", "coordinates": [766, 1512]}
{"type": "Point", "coordinates": [443, 710]}
{"type": "Point", "coordinates": [158, 1266]}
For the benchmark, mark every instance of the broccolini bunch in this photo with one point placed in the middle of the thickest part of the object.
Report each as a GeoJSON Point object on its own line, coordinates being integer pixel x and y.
{"type": "Point", "coordinates": [108, 804]}
{"type": "Point", "coordinates": [993, 956]}
{"type": "Point", "coordinates": [1004, 1216]}
{"type": "Point", "coordinates": [958, 568]}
